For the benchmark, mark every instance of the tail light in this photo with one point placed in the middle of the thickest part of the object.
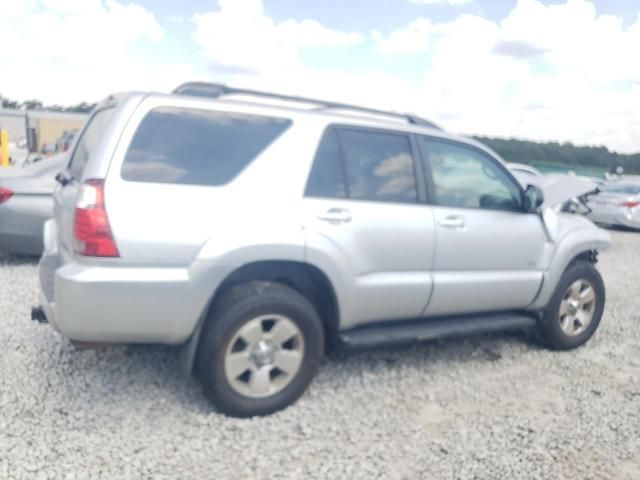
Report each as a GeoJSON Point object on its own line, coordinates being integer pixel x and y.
{"type": "Point", "coordinates": [5, 194]}
{"type": "Point", "coordinates": [631, 204]}
{"type": "Point", "coordinates": [91, 230]}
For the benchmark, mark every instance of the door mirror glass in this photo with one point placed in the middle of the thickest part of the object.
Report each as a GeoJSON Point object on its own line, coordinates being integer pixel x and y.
{"type": "Point", "coordinates": [533, 199]}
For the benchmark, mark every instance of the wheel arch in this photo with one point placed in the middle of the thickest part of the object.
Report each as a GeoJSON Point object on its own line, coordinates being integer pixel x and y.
{"type": "Point", "coordinates": [307, 279]}
{"type": "Point", "coordinates": [574, 247]}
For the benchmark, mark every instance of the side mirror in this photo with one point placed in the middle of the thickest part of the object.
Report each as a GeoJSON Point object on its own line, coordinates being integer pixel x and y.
{"type": "Point", "coordinates": [533, 199]}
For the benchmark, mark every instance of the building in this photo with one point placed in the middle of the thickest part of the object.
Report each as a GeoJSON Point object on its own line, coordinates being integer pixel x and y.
{"type": "Point", "coordinates": [46, 126]}
{"type": "Point", "coordinates": [13, 121]}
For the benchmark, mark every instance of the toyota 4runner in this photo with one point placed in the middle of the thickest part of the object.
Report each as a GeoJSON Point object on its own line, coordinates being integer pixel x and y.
{"type": "Point", "coordinates": [254, 229]}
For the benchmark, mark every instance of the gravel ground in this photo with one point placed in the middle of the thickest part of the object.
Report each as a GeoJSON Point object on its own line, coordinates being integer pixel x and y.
{"type": "Point", "coordinates": [492, 407]}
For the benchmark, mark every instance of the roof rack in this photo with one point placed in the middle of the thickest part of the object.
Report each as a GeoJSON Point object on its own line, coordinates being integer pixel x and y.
{"type": "Point", "coordinates": [215, 90]}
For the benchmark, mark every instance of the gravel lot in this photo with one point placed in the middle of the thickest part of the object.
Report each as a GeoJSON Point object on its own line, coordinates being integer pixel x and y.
{"type": "Point", "coordinates": [490, 407]}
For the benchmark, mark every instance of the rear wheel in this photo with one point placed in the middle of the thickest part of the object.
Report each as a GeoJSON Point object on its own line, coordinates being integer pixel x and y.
{"type": "Point", "coordinates": [260, 348]}
{"type": "Point", "coordinates": [575, 310]}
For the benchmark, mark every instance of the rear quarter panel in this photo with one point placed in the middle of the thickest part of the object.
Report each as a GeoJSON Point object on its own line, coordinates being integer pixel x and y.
{"type": "Point", "coordinates": [178, 224]}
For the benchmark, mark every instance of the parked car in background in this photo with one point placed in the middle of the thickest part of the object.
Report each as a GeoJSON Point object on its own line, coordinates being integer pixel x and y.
{"type": "Point", "coordinates": [557, 185]}
{"type": "Point", "coordinates": [252, 233]}
{"type": "Point", "coordinates": [617, 204]}
{"type": "Point", "coordinates": [26, 202]}
{"type": "Point", "coordinates": [523, 169]}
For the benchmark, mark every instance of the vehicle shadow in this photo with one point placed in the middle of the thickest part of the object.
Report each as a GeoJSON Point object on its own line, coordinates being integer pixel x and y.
{"type": "Point", "coordinates": [149, 377]}
{"type": "Point", "coordinates": [9, 259]}
{"type": "Point", "coordinates": [134, 377]}
{"type": "Point", "coordinates": [617, 228]}
{"type": "Point", "coordinates": [490, 347]}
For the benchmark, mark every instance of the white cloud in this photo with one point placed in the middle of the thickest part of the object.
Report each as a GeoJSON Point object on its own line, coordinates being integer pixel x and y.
{"type": "Point", "coordinates": [557, 72]}
{"type": "Point", "coordinates": [548, 72]}
{"type": "Point", "coordinates": [239, 34]}
{"type": "Point", "coordinates": [455, 3]}
{"type": "Point", "coordinates": [65, 51]}
{"type": "Point", "coordinates": [412, 39]}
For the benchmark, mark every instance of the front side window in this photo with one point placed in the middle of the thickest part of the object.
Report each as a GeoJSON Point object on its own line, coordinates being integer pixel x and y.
{"type": "Point", "coordinates": [466, 178]}
{"type": "Point", "coordinates": [91, 136]}
{"type": "Point", "coordinates": [364, 165]}
{"type": "Point", "coordinates": [197, 147]}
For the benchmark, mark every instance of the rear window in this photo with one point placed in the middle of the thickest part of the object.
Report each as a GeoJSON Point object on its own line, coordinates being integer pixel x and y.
{"type": "Point", "coordinates": [197, 147]}
{"type": "Point", "coordinates": [89, 140]}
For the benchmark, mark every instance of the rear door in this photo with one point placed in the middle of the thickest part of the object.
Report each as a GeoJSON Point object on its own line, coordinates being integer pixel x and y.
{"type": "Point", "coordinates": [365, 214]}
{"type": "Point", "coordinates": [70, 180]}
{"type": "Point", "coordinates": [488, 251]}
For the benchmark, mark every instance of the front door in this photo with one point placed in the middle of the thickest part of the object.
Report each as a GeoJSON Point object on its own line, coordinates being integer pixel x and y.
{"type": "Point", "coordinates": [488, 251]}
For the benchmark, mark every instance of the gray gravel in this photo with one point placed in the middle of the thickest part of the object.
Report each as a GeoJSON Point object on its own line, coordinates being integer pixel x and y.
{"type": "Point", "coordinates": [491, 407]}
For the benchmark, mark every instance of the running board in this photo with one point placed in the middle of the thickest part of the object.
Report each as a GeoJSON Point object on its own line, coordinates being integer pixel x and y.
{"type": "Point", "coordinates": [432, 328]}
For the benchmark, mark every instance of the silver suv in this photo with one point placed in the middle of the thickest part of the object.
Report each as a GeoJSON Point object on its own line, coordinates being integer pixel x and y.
{"type": "Point", "coordinates": [255, 229]}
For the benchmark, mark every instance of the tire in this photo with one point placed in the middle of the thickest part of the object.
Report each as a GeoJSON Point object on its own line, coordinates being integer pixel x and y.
{"type": "Point", "coordinates": [564, 324]}
{"type": "Point", "coordinates": [268, 325]}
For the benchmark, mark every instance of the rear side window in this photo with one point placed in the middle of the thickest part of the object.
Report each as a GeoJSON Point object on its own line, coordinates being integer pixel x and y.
{"type": "Point", "coordinates": [197, 147]}
{"type": "Point", "coordinates": [379, 166]}
{"type": "Point", "coordinates": [326, 178]}
{"type": "Point", "coordinates": [89, 140]}
{"type": "Point", "coordinates": [364, 165]}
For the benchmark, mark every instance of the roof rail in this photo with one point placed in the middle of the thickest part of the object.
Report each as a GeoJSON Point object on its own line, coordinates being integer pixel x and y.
{"type": "Point", "coordinates": [215, 90]}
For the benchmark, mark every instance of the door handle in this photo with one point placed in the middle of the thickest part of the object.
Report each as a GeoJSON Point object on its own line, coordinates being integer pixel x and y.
{"type": "Point", "coordinates": [336, 215]}
{"type": "Point", "coordinates": [452, 221]}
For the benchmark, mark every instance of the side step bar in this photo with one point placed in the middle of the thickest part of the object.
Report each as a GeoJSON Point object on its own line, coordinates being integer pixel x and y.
{"type": "Point", "coordinates": [432, 328]}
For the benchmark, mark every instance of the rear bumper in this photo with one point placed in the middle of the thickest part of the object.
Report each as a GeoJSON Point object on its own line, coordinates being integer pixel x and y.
{"type": "Point", "coordinates": [109, 302]}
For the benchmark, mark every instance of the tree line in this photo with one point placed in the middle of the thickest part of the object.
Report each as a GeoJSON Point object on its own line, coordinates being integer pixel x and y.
{"type": "Point", "coordinates": [562, 154]}
{"type": "Point", "coordinates": [82, 107]}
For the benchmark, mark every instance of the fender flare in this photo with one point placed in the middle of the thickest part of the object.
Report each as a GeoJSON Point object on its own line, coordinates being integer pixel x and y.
{"type": "Point", "coordinates": [576, 243]}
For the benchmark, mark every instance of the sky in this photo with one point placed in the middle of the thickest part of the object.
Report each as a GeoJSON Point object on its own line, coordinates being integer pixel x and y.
{"type": "Point", "coordinates": [547, 70]}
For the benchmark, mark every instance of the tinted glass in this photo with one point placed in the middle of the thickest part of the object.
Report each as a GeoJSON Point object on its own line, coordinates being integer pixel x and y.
{"type": "Point", "coordinates": [89, 140]}
{"type": "Point", "coordinates": [466, 178]}
{"type": "Point", "coordinates": [326, 178]}
{"type": "Point", "coordinates": [379, 166]}
{"type": "Point", "coordinates": [197, 147]}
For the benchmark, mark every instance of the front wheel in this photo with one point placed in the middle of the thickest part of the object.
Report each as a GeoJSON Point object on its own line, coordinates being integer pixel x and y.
{"type": "Point", "coordinates": [574, 312]}
{"type": "Point", "coordinates": [260, 349]}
